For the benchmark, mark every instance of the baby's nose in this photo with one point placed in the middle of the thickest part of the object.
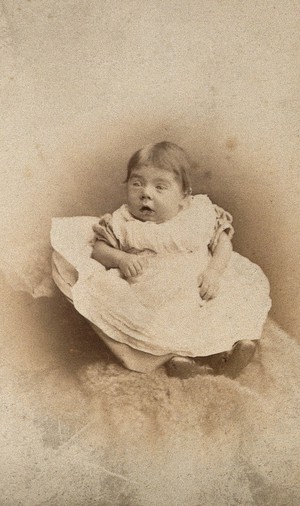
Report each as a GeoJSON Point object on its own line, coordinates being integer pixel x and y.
{"type": "Point", "coordinates": [146, 193]}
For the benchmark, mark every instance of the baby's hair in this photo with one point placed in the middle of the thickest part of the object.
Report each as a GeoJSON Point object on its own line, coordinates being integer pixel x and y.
{"type": "Point", "coordinates": [165, 156]}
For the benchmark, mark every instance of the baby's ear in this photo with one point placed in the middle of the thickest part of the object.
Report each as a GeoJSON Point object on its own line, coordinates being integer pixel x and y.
{"type": "Point", "coordinates": [184, 201]}
{"type": "Point", "coordinates": [187, 193]}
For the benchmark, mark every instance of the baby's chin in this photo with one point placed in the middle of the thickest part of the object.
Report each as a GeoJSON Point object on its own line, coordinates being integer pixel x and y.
{"type": "Point", "coordinates": [152, 218]}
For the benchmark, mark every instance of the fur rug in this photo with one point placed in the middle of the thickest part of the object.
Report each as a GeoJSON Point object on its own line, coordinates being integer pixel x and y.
{"type": "Point", "coordinates": [207, 440]}
{"type": "Point", "coordinates": [80, 430]}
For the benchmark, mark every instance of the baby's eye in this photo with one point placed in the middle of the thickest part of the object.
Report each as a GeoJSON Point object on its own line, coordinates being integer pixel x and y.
{"type": "Point", "coordinates": [160, 187]}
{"type": "Point", "coordinates": [136, 183]}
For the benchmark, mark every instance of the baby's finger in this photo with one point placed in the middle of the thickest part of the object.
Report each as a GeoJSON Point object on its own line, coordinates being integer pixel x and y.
{"type": "Point", "coordinates": [138, 267]}
{"type": "Point", "coordinates": [203, 289]}
{"type": "Point", "coordinates": [132, 270]}
{"type": "Point", "coordinates": [205, 296]}
{"type": "Point", "coordinates": [142, 263]}
{"type": "Point", "coordinates": [126, 272]}
{"type": "Point", "coordinates": [209, 294]}
{"type": "Point", "coordinates": [200, 280]}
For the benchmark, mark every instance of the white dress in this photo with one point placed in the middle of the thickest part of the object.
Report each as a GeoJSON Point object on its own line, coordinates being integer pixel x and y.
{"type": "Point", "coordinates": [161, 311]}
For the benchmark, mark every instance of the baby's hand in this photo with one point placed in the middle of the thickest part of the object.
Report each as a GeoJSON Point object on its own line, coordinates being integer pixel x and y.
{"type": "Point", "coordinates": [132, 265]}
{"type": "Point", "coordinates": [208, 283]}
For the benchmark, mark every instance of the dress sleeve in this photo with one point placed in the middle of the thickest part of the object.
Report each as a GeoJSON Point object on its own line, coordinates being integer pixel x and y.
{"type": "Point", "coordinates": [223, 224]}
{"type": "Point", "coordinates": [104, 231]}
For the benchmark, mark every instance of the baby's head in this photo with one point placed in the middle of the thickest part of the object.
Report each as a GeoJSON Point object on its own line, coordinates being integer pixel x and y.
{"type": "Point", "coordinates": [158, 182]}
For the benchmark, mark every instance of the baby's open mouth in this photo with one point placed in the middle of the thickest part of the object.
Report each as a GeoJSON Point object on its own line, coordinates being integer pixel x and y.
{"type": "Point", "coordinates": [146, 209]}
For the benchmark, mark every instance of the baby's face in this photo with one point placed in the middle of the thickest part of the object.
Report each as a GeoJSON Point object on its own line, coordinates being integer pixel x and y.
{"type": "Point", "coordinates": [154, 194]}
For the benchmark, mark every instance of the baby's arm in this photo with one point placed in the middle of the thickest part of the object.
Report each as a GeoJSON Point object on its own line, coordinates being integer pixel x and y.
{"type": "Point", "coordinates": [209, 279]}
{"type": "Point", "coordinates": [128, 263]}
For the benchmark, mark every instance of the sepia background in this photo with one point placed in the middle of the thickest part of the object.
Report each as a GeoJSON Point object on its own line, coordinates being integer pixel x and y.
{"type": "Point", "coordinates": [85, 84]}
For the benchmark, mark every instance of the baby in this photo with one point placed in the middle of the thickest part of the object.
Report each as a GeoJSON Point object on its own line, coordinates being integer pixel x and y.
{"type": "Point", "coordinates": [173, 285]}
